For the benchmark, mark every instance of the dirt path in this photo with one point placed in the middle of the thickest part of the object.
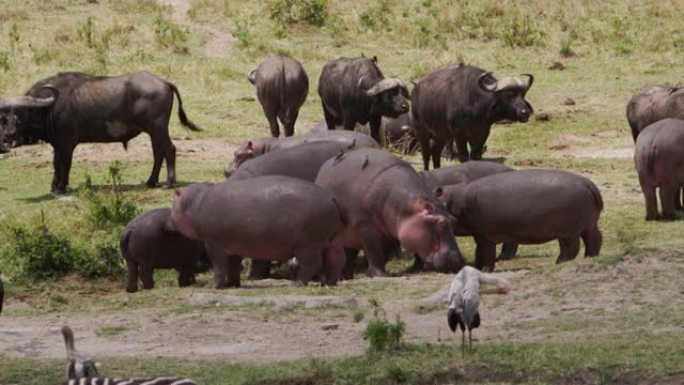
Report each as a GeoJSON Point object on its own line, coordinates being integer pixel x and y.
{"type": "Point", "coordinates": [582, 293]}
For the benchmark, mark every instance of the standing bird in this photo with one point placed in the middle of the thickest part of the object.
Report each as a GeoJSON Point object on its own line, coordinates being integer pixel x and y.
{"type": "Point", "coordinates": [79, 365]}
{"type": "Point", "coordinates": [464, 300]}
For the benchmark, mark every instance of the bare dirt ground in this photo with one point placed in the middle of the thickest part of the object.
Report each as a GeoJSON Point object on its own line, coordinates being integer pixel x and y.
{"type": "Point", "coordinates": [572, 300]}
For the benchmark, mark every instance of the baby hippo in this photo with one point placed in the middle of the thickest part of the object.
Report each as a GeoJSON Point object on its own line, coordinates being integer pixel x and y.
{"type": "Point", "coordinates": [527, 207]}
{"type": "Point", "coordinates": [659, 161]}
{"type": "Point", "coordinates": [270, 218]}
{"type": "Point", "coordinates": [146, 245]}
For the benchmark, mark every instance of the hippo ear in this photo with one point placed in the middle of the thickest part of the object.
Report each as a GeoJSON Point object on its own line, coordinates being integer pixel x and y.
{"type": "Point", "coordinates": [439, 191]}
{"type": "Point", "coordinates": [429, 208]}
{"type": "Point", "coordinates": [250, 146]}
{"type": "Point", "coordinates": [178, 191]}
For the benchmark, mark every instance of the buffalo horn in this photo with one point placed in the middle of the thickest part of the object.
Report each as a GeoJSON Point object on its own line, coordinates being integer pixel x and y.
{"type": "Point", "coordinates": [487, 87]}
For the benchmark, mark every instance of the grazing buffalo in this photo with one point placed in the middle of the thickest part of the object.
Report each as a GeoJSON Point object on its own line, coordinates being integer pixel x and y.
{"type": "Point", "coordinates": [389, 204]}
{"type": "Point", "coordinates": [527, 207]}
{"type": "Point", "coordinates": [462, 102]}
{"type": "Point", "coordinates": [71, 108]}
{"type": "Point", "coordinates": [256, 147]}
{"type": "Point", "coordinates": [282, 86]}
{"type": "Point", "coordinates": [355, 90]}
{"type": "Point", "coordinates": [659, 161]}
{"type": "Point", "coordinates": [653, 103]}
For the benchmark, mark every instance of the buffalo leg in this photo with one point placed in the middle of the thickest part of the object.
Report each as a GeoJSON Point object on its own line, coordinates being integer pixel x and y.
{"type": "Point", "coordinates": [147, 274]}
{"type": "Point", "coordinates": [462, 148]}
{"type": "Point", "coordinates": [259, 269]}
{"type": "Point", "coordinates": [667, 195]}
{"type": "Point", "coordinates": [171, 165]}
{"type": "Point", "coordinates": [160, 146]}
{"type": "Point", "coordinates": [477, 143]}
{"type": "Point", "coordinates": [569, 247]}
{"type": "Point", "coordinates": [436, 148]}
{"type": "Point", "coordinates": [186, 277]}
{"type": "Point", "coordinates": [62, 166]}
{"type": "Point", "coordinates": [272, 118]}
{"type": "Point", "coordinates": [649, 192]}
{"type": "Point", "coordinates": [374, 124]}
{"type": "Point", "coordinates": [329, 119]}
{"type": "Point", "coordinates": [508, 251]}
{"type": "Point", "coordinates": [485, 254]}
{"type": "Point", "coordinates": [289, 120]}
{"type": "Point", "coordinates": [593, 239]}
{"type": "Point", "coordinates": [234, 267]}
{"type": "Point", "coordinates": [132, 279]}
{"type": "Point", "coordinates": [350, 263]}
{"type": "Point", "coordinates": [424, 141]}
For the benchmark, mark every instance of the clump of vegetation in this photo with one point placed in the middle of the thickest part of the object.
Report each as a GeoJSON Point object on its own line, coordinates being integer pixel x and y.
{"type": "Point", "coordinates": [376, 16]}
{"type": "Point", "coordinates": [14, 36]}
{"type": "Point", "coordinates": [113, 211]}
{"type": "Point", "coordinates": [566, 48]}
{"type": "Point", "coordinates": [522, 32]}
{"type": "Point", "coordinates": [243, 34]}
{"type": "Point", "coordinates": [169, 35]}
{"type": "Point", "coordinates": [4, 61]}
{"type": "Point", "coordinates": [382, 335]}
{"type": "Point", "coordinates": [289, 12]}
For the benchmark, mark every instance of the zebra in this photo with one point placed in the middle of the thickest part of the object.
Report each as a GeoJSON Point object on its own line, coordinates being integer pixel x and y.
{"type": "Point", "coordinates": [135, 381]}
{"type": "Point", "coordinates": [82, 369]}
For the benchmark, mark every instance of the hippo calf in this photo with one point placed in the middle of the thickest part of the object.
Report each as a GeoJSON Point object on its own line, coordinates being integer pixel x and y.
{"type": "Point", "coordinates": [272, 218]}
{"type": "Point", "coordinates": [388, 204]}
{"type": "Point", "coordinates": [256, 147]}
{"type": "Point", "coordinates": [660, 163]}
{"type": "Point", "coordinates": [146, 245]}
{"type": "Point", "coordinates": [527, 207]}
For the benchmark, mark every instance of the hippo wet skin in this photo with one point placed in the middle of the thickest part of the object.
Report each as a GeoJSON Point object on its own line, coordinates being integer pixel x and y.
{"type": "Point", "coordinates": [527, 207]}
{"type": "Point", "coordinates": [659, 161]}
{"type": "Point", "coordinates": [146, 245]}
{"type": "Point", "coordinates": [271, 218]}
{"type": "Point", "coordinates": [282, 86]}
{"type": "Point", "coordinates": [387, 204]}
{"type": "Point", "coordinates": [256, 147]}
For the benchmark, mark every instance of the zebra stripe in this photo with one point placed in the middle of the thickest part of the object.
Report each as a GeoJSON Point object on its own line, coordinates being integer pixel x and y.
{"type": "Point", "coordinates": [133, 381]}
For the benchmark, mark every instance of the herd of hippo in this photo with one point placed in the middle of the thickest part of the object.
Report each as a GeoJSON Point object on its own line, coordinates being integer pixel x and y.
{"type": "Point", "coordinates": [315, 200]}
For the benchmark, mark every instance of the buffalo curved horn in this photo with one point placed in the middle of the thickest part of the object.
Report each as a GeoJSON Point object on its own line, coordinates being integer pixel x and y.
{"type": "Point", "coordinates": [386, 84]}
{"type": "Point", "coordinates": [31, 101]}
{"type": "Point", "coordinates": [361, 79]}
{"type": "Point", "coordinates": [530, 80]}
{"type": "Point", "coordinates": [487, 87]}
{"type": "Point", "coordinates": [251, 76]}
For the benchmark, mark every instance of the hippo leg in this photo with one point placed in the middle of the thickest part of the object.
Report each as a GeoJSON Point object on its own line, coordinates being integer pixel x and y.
{"type": "Point", "coordinates": [436, 149]}
{"type": "Point", "coordinates": [508, 251]}
{"type": "Point", "coordinates": [350, 264]}
{"type": "Point", "coordinates": [146, 274]}
{"type": "Point", "coordinates": [667, 196]}
{"type": "Point", "coordinates": [334, 259]}
{"type": "Point", "coordinates": [220, 263]}
{"type": "Point", "coordinates": [485, 254]}
{"type": "Point", "coordinates": [234, 267]}
{"type": "Point", "coordinates": [132, 285]}
{"type": "Point", "coordinates": [375, 251]}
{"type": "Point", "coordinates": [259, 269]}
{"type": "Point", "coordinates": [310, 261]}
{"type": "Point", "coordinates": [569, 247]}
{"type": "Point", "coordinates": [593, 239]}
{"type": "Point", "coordinates": [649, 191]}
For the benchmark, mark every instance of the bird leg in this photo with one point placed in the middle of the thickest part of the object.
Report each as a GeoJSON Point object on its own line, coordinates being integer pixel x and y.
{"type": "Point", "coordinates": [470, 340]}
{"type": "Point", "coordinates": [462, 343]}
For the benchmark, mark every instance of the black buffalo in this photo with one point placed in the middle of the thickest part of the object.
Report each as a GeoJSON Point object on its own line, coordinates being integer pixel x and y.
{"type": "Point", "coordinates": [282, 86]}
{"type": "Point", "coordinates": [72, 107]}
{"type": "Point", "coordinates": [653, 103]}
{"type": "Point", "coordinates": [355, 90]}
{"type": "Point", "coordinates": [462, 102]}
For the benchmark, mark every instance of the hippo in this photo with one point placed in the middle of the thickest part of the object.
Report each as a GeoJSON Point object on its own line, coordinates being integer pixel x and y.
{"type": "Point", "coordinates": [388, 204]}
{"type": "Point", "coordinates": [282, 86]}
{"type": "Point", "coordinates": [658, 158]}
{"type": "Point", "coordinates": [271, 217]}
{"type": "Point", "coordinates": [146, 245]}
{"type": "Point", "coordinates": [462, 174]}
{"type": "Point", "coordinates": [257, 147]}
{"type": "Point", "coordinates": [527, 207]}
{"type": "Point", "coordinates": [395, 133]}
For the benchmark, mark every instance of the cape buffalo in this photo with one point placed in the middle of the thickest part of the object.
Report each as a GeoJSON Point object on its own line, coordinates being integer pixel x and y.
{"type": "Point", "coordinates": [72, 107]}
{"type": "Point", "coordinates": [653, 103]}
{"type": "Point", "coordinates": [462, 102]}
{"type": "Point", "coordinates": [355, 90]}
{"type": "Point", "coordinates": [281, 85]}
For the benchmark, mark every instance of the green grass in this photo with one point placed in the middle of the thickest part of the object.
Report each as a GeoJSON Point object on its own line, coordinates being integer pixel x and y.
{"type": "Point", "coordinates": [610, 49]}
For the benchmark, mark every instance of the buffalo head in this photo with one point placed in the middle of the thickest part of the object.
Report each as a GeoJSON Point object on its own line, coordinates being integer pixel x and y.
{"type": "Point", "coordinates": [510, 94]}
{"type": "Point", "coordinates": [22, 116]}
{"type": "Point", "coordinates": [390, 97]}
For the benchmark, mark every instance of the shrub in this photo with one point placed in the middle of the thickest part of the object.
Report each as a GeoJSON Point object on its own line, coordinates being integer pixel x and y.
{"type": "Point", "coordinates": [522, 32]}
{"type": "Point", "coordinates": [375, 17]}
{"type": "Point", "coordinates": [113, 211]}
{"type": "Point", "coordinates": [312, 12]}
{"type": "Point", "coordinates": [85, 31]}
{"type": "Point", "coordinates": [14, 36]}
{"type": "Point", "coordinates": [243, 34]}
{"type": "Point", "coordinates": [169, 35]}
{"type": "Point", "coordinates": [4, 61]}
{"type": "Point", "coordinates": [103, 261]}
{"type": "Point", "coordinates": [383, 335]}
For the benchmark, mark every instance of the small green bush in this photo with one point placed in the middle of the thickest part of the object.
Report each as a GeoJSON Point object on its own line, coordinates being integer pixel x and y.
{"type": "Point", "coordinates": [85, 31]}
{"type": "Point", "coordinates": [113, 211]}
{"type": "Point", "coordinates": [4, 61]}
{"type": "Point", "coordinates": [169, 35]}
{"type": "Point", "coordinates": [522, 32]}
{"type": "Point", "coordinates": [311, 12]}
{"type": "Point", "coordinates": [103, 261]}
{"type": "Point", "coordinates": [382, 335]}
{"type": "Point", "coordinates": [14, 36]}
{"type": "Point", "coordinates": [243, 34]}
{"type": "Point", "coordinates": [376, 17]}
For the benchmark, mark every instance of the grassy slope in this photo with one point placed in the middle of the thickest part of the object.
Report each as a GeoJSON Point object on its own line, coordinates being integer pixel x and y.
{"type": "Point", "coordinates": [620, 46]}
